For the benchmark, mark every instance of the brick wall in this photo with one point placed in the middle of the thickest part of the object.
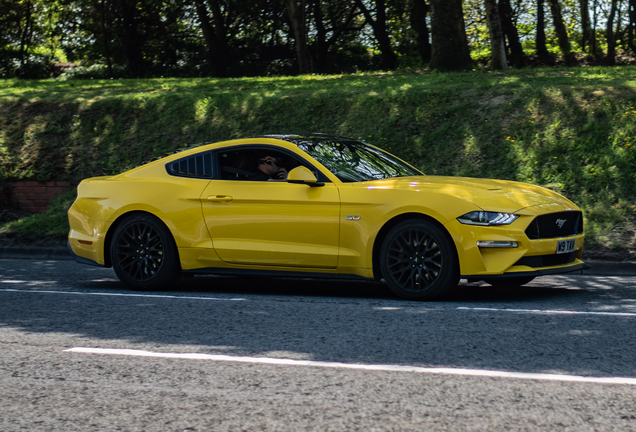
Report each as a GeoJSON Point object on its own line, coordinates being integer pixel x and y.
{"type": "Point", "coordinates": [33, 196]}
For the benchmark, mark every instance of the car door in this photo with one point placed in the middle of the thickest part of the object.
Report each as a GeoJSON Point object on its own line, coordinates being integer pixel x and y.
{"type": "Point", "coordinates": [271, 223]}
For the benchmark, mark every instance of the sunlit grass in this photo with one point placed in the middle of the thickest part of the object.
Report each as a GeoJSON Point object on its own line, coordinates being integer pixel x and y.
{"type": "Point", "coordinates": [570, 129]}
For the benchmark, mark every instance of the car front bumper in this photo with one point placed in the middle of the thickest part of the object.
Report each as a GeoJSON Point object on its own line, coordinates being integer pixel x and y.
{"type": "Point", "coordinates": [528, 258]}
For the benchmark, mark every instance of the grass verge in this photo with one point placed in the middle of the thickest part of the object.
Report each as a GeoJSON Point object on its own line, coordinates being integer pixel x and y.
{"type": "Point", "coordinates": [572, 130]}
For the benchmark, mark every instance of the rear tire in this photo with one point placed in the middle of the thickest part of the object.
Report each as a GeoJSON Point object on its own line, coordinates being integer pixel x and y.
{"type": "Point", "coordinates": [144, 254]}
{"type": "Point", "coordinates": [418, 260]}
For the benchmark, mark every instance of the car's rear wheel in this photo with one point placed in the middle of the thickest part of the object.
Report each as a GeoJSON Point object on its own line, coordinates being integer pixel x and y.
{"type": "Point", "coordinates": [144, 254]}
{"type": "Point", "coordinates": [509, 282]}
{"type": "Point", "coordinates": [418, 260]}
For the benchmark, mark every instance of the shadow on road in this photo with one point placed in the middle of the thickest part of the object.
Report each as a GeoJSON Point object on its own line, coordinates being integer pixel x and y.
{"type": "Point", "coordinates": [538, 290]}
{"type": "Point", "coordinates": [361, 322]}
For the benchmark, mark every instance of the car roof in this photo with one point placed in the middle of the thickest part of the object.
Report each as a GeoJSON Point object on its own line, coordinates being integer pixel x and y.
{"type": "Point", "coordinates": [303, 138]}
{"type": "Point", "coordinates": [291, 138]}
{"type": "Point", "coordinates": [295, 139]}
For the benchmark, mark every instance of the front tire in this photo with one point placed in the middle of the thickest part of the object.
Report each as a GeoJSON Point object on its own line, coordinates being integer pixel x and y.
{"type": "Point", "coordinates": [418, 260]}
{"type": "Point", "coordinates": [144, 254]}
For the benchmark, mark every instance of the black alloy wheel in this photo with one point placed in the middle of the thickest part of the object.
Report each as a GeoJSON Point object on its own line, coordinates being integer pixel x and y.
{"type": "Point", "coordinates": [418, 260]}
{"type": "Point", "coordinates": [143, 253]}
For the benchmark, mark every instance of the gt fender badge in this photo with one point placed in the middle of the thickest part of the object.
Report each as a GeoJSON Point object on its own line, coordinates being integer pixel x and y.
{"type": "Point", "coordinates": [353, 217]}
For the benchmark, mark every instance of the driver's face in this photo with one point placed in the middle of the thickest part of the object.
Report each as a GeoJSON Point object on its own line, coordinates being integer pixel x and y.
{"type": "Point", "coordinates": [268, 165]}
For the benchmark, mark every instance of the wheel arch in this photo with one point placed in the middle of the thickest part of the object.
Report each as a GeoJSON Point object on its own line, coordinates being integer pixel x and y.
{"type": "Point", "coordinates": [379, 239]}
{"type": "Point", "coordinates": [118, 221]}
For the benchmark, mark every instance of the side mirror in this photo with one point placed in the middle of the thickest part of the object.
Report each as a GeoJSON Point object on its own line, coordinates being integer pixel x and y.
{"type": "Point", "coordinates": [302, 175]}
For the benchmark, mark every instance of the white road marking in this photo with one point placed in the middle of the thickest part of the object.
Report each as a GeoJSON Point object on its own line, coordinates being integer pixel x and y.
{"type": "Point", "coordinates": [123, 295]}
{"type": "Point", "coordinates": [548, 311]}
{"type": "Point", "coordinates": [464, 308]}
{"type": "Point", "coordinates": [369, 367]}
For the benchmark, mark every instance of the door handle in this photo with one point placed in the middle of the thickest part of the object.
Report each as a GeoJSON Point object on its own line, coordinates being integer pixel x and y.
{"type": "Point", "coordinates": [220, 198]}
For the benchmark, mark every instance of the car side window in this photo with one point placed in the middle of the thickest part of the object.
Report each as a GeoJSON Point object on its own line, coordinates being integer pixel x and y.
{"type": "Point", "coordinates": [242, 164]}
{"type": "Point", "coordinates": [196, 166]}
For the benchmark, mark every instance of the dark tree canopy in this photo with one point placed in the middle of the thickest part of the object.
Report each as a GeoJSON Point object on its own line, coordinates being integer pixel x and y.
{"type": "Point", "coordinates": [144, 38]}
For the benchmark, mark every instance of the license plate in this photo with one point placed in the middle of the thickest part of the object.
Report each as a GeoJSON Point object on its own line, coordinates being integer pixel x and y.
{"type": "Point", "coordinates": [565, 246]}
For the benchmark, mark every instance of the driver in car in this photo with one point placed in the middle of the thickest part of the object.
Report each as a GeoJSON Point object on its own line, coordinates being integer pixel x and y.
{"type": "Point", "coordinates": [270, 169]}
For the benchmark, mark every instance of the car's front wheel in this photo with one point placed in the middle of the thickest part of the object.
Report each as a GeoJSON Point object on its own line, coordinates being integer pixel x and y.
{"type": "Point", "coordinates": [418, 260]}
{"type": "Point", "coordinates": [144, 254]}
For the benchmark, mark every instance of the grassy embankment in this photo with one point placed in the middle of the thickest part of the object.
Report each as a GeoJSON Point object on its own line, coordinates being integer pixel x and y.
{"type": "Point", "coordinates": [572, 130]}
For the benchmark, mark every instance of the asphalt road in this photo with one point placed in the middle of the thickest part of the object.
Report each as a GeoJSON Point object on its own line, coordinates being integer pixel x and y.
{"type": "Point", "coordinates": [81, 352]}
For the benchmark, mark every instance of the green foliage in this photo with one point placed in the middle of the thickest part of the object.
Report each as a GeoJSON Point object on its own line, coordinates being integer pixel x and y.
{"type": "Point", "coordinates": [177, 38]}
{"type": "Point", "coordinates": [572, 130]}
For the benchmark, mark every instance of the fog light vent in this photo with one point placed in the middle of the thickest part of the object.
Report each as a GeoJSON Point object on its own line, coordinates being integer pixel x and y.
{"type": "Point", "coordinates": [496, 244]}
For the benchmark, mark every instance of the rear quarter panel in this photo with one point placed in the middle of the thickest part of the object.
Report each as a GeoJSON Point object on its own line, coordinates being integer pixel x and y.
{"type": "Point", "coordinates": [104, 200]}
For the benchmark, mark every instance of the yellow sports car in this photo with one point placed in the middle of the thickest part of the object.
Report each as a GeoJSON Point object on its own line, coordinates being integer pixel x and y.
{"type": "Point", "coordinates": [319, 206]}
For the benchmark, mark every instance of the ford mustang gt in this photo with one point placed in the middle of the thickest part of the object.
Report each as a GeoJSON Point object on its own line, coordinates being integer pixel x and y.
{"type": "Point", "coordinates": [319, 206]}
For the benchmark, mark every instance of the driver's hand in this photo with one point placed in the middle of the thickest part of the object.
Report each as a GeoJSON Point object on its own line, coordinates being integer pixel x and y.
{"type": "Point", "coordinates": [282, 174]}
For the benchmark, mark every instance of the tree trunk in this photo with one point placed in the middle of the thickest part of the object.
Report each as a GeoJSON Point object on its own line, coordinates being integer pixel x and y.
{"type": "Point", "coordinates": [586, 27]}
{"type": "Point", "coordinates": [610, 59]}
{"type": "Point", "coordinates": [109, 63]}
{"type": "Point", "coordinates": [217, 52]}
{"type": "Point", "coordinates": [26, 31]}
{"type": "Point", "coordinates": [380, 32]}
{"type": "Point", "coordinates": [517, 56]}
{"type": "Point", "coordinates": [561, 31]}
{"type": "Point", "coordinates": [497, 45]}
{"type": "Point", "coordinates": [338, 27]}
{"type": "Point", "coordinates": [619, 34]}
{"type": "Point", "coordinates": [542, 51]}
{"type": "Point", "coordinates": [297, 20]}
{"type": "Point", "coordinates": [208, 35]}
{"type": "Point", "coordinates": [631, 13]}
{"type": "Point", "coordinates": [130, 38]}
{"type": "Point", "coordinates": [223, 53]}
{"type": "Point", "coordinates": [594, 27]}
{"type": "Point", "coordinates": [321, 36]}
{"type": "Point", "coordinates": [419, 10]}
{"type": "Point", "coordinates": [448, 34]}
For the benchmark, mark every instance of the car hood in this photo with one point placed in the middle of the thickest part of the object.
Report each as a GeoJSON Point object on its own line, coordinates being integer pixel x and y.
{"type": "Point", "coordinates": [488, 194]}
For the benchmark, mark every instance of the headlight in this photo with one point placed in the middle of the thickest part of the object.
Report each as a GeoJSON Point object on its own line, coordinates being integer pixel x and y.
{"type": "Point", "coordinates": [487, 218]}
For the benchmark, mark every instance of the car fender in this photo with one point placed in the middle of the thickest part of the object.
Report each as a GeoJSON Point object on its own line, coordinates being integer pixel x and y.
{"type": "Point", "coordinates": [366, 212]}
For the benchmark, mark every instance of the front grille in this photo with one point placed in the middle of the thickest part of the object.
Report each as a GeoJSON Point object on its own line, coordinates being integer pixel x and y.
{"type": "Point", "coordinates": [547, 260]}
{"type": "Point", "coordinates": [553, 225]}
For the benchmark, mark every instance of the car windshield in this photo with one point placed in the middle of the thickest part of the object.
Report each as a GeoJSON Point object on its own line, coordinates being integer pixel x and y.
{"type": "Point", "coordinates": [355, 161]}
